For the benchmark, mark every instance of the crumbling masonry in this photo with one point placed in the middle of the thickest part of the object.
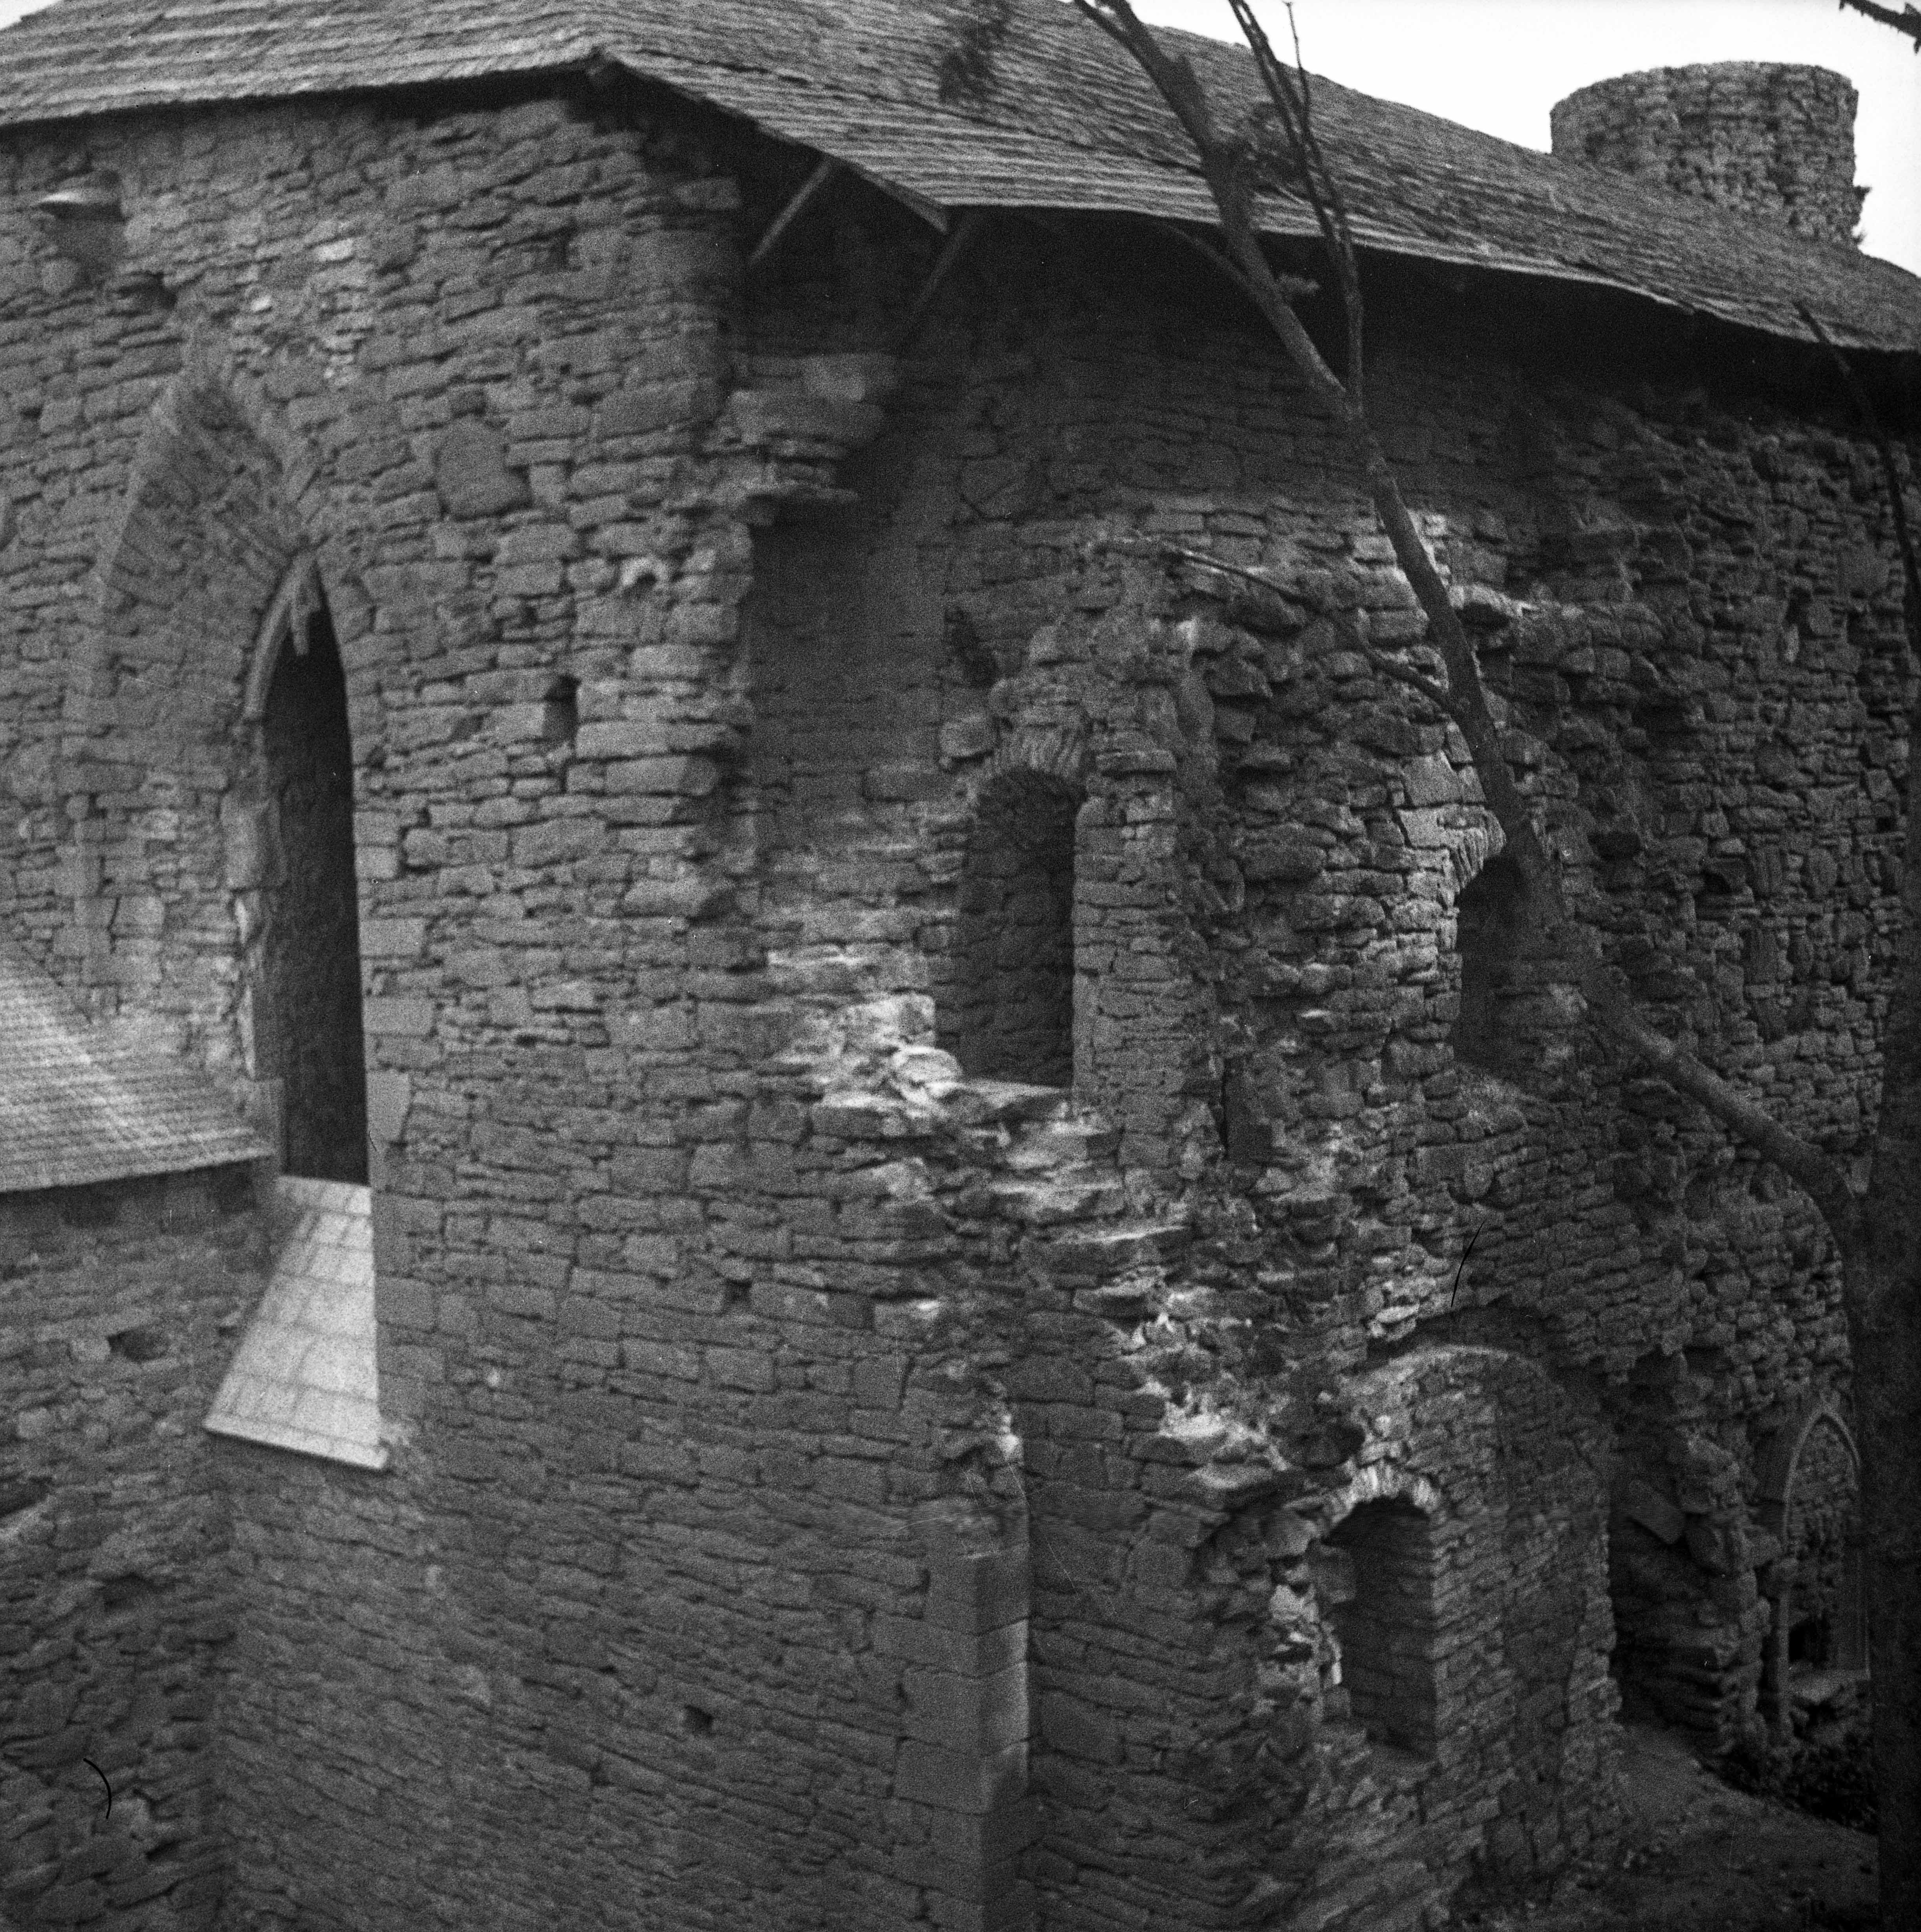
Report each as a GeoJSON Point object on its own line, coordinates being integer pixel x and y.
{"type": "Point", "coordinates": [922, 1063]}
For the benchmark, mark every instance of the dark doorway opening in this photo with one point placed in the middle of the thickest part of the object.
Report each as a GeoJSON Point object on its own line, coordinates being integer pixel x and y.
{"type": "Point", "coordinates": [1811, 1642]}
{"type": "Point", "coordinates": [310, 956]}
{"type": "Point", "coordinates": [1386, 1629]}
{"type": "Point", "coordinates": [1009, 1015]}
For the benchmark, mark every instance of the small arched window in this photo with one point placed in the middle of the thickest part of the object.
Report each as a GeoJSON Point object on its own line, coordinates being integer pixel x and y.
{"type": "Point", "coordinates": [1009, 1014]}
{"type": "Point", "coordinates": [1488, 927]}
{"type": "Point", "coordinates": [1386, 1627]}
{"type": "Point", "coordinates": [1811, 1500]}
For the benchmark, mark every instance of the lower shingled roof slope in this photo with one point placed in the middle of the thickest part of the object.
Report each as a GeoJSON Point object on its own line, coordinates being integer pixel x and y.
{"type": "Point", "coordinates": [80, 1104]}
{"type": "Point", "coordinates": [1066, 123]}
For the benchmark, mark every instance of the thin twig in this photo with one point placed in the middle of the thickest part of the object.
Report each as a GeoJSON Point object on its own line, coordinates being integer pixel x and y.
{"type": "Point", "coordinates": [1464, 1253]}
{"type": "Point", "coordinates": [1436, 694]}
{"type": "Point", "coordinates": [1179, 553]}
{"type": "Point", "coordinates": [1291, 95]}
{"type": "Point", "coordinates": [1209, 254]}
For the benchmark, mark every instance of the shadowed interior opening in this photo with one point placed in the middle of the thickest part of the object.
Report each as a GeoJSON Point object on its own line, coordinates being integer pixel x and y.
{"type": "Point", "coordinates": [310, 957]}
{"type": "Point", "coordinates": [1010, 1011]}
{"type": "Point", "coordinates": [1386, 1628]}
{"type": "Point", "coordinates": [1487, 931]}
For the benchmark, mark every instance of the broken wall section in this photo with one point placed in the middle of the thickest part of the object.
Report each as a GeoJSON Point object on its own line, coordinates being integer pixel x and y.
{"type": "Point", "coordinates": [1023, 891]}
{"type": "Point", "coordinates": [1685, 611]}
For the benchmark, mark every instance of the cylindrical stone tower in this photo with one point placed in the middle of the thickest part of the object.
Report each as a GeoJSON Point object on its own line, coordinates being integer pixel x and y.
{"type": "Point", "coordinates": [1760, 137]}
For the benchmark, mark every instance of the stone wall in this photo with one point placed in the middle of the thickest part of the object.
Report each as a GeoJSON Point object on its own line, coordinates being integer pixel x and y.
{"type": "Point", "coordinates": [121, 1303]}
{"type": "Point", "coordinates": [1689, 613]}
{"type": "Point", "coordinates": [653, 1567]}
{"type": "Point", "coordinates": [827, 1487]}
{"type": "Point", "coordinates": [1760, 137]}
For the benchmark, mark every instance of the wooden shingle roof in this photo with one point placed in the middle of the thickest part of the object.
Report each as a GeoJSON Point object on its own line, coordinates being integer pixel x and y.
{"type": "Point", "coordinates": [80, 1104]}
{"type": "Point", "coordinates": [1067, 123]}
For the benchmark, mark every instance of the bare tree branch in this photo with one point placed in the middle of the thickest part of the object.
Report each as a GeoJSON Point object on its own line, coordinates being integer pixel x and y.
{"type": "Point", "coordinates": [1463, 697]}
{"type": "Point", "coordinates": [1436, 694]}
{"type": "Point", "coordinates": [1297, 288]}
{"type": "Point", "coordinates": [1291, 94]}
{"type": "Point", "coordinates": [1907, 21]}
{"type": "Point", "coordinates": [1201, 559]}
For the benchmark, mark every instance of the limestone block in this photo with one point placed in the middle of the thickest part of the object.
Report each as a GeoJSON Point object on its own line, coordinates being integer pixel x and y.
{"type": "Point", "coordinates": [390, 1095]}
{"type": "Point", "coordinates": [1645, 1505]}
{"type": "Point", "coordinates": [968, 1714]}
{"type": "Point", "coordinates": [1710, 1546]}
{"type": "Point", "coordinates": [1333, 1575]}
{"type": "Point", "coordinates": [247, 840]}
{"type": "Point", "coordinates": [1290, 857]}
{"type": "Point", "coordinates": [470, 472]}
{"type": "Point", "coordinates": [1432, 781]}
{"type": "Point", "coordinates": [27, 771]}
{"type": "Point", "coordinates": [656, 406]}
{"type": "Point", "coordinates": [955, 1781]}
{"type": "Point", "coordinates": [940, 1646]}
{"type": "Point", "coordinates": [766, 416]}
{"type": "Point", "coordinates": [850, 378]}
{"type": "Point", "coordinates": [410, 1019]}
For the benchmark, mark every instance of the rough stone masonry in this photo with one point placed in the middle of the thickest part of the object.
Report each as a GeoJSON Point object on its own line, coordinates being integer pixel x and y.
{"type": "Point", "coordinates": [929, 1065]}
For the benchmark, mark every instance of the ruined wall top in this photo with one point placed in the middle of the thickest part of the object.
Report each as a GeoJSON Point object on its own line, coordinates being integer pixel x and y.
{"type": "Point", "coordinates": [1761, 137]}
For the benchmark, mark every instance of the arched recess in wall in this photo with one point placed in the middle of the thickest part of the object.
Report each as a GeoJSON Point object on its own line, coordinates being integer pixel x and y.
{"type": "Point", "coordinates": [1005, 1007]}
{"type": "Point", "coordinates": [1461, 1575]}
{"type": "Point", "coordinates": [1808, 1501]}
{"type": "Point", "coordinates": [290, 862]}
{"type": "Point", "coordinates": [216, 667]}
{"type": "Point", "coordinates": [1379, 1578]}
{"type": "Point", "coordinates": [1490, 926]}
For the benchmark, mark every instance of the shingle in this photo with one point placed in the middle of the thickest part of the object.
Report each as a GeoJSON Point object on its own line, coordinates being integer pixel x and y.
{"type": "Point", "coordinates": [80, 1104]}
{"type": "Point", "coordinates": [1069, 123]}
{"type": "Point", "coordinates": [304, 1376]}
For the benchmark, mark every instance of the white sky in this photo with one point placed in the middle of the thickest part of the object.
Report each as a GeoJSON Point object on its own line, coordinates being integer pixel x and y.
{"type": "Point", "coordinates": [1500, 65]}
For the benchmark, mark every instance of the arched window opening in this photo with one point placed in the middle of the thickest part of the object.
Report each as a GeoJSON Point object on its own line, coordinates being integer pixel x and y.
{"type": "Point", "coordinates": [1819, 1608]}
{"type": "Point", "coordinates": [1009, 1013]}
{"type": "Point", "coordinates": [1386, 1627]}
{"type": "Point", "coordinates": [307, 991]}
{"type": "Point", "coordinates": [1488, 919]}
{"type": "Point", "coordinates": [1816, 1654]}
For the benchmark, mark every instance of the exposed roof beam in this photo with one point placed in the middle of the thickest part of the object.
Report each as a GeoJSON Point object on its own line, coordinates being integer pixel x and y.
{"type": "Point", "coordinates": [803, 198]}
{"type": "Point", "coordinates": [962, 233]}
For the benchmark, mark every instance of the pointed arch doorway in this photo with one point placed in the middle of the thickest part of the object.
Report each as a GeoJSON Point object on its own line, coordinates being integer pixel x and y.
{"type": "Point", "coordinates": [301, 914]}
